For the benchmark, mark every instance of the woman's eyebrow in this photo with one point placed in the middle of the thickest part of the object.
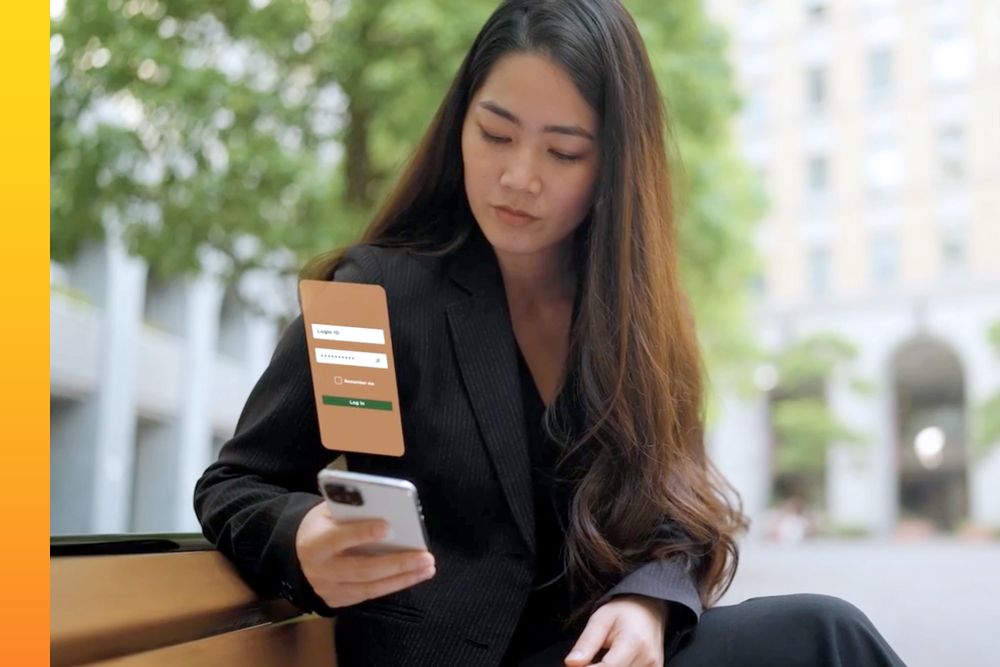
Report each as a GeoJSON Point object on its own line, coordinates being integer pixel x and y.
{"type": "Point", "coordinates": [572, 130]}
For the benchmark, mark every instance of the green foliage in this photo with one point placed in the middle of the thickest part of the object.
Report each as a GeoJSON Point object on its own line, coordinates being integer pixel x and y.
{"type": "Point", "coordinates": [803, 423]}
{"type": "Point", "coordinates": [987, 415]}
{"type": "Point", "coordinates": [987, 426]}
{"type": "Point", "coordinates": [848, 531]}
{"type": "Point", "coordinates": [805, 428]}
{"type": "Point", "coordinates": [716, 193]}
{"type": "Point", "coordinates": [812, 360]}
{"type": "Point", "coordinates": [268, 132]}
{"type": "Point", "coordinates": [76, 296]}
{"type": "Point", "coordinates": [229, 119]}
{"type": "Point", "coordinates": [993, 335]}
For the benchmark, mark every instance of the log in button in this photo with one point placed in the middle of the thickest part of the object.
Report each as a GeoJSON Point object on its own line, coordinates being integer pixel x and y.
{"type": "Point", "coordinates": [348, 402]}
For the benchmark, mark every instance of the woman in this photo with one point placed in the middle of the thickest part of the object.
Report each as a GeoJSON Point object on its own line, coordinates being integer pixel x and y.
{"type": "Point", "coordinates": [550, 390]}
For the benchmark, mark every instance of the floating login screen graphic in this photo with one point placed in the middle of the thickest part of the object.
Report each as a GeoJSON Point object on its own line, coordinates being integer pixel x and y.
{"type": "Point", "coordinates": [354, 376]}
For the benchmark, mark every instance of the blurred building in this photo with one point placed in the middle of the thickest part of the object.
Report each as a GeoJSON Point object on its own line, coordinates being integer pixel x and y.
{"type": "Point", "coordinates": [874, 126]}
{"type": "Point", "coordinates": [147, 381]}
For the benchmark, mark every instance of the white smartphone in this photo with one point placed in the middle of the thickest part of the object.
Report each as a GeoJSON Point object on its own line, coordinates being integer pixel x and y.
{"type": "Point", "coordinates": [353, 496]}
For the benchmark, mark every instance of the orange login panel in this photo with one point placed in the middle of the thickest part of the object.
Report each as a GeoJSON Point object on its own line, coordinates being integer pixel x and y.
{"type": "Point", "coordinates": [353, 373]}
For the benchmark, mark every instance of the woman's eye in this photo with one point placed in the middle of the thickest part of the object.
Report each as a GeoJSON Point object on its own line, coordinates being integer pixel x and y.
{"type": "Point", "coordinates": [565, 158]}
{"type": "Point", "coordinates": [493, 138]}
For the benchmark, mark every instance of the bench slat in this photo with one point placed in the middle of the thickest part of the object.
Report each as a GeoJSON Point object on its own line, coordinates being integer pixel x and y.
{"type": "Point", "coordinates": [108, 606]}
{"type": "Point", "coordinates": [303, 642]}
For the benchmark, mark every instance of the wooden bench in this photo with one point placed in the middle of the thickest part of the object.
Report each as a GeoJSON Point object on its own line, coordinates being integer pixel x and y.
{"type": "Point", "coordinates": [151, 600]}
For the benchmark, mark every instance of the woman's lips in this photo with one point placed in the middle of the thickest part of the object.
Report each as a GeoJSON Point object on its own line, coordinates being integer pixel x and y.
{"type": "Point", "coordinates": [511, 218]}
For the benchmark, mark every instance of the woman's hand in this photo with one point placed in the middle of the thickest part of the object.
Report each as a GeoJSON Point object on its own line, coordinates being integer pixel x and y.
{"type": "Point", "coordinates": [631, 627]}
{"type": "Point", "coordinates": [342, 579]}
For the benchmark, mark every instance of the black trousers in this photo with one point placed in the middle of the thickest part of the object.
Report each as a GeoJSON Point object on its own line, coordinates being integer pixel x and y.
{"type": "Point", "coordinates": [803, 630]}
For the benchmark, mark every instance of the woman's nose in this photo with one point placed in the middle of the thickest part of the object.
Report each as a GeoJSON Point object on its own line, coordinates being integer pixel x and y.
{"type": "Point", "coordinates": [521, 173]}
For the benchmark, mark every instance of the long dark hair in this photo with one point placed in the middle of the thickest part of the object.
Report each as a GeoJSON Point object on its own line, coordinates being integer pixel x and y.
{"type": "Point", "coordinates": [648, 490]}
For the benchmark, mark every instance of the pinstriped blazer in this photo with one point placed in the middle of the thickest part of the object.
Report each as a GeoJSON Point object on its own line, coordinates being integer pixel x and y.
{"type": "Point", "coordinates": [466, 452]}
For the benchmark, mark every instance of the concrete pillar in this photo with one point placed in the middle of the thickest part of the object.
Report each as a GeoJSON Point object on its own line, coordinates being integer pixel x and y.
{"type": "Point", "coordinates": [739, 448]}
{"type": "Point", "coordinates": [886, 468]}
{"type": "Point", "coordinates": [982, 380]}
{"type": "Point", "coordinates": [123, 292]}
{"type": "Point", "coordinates": [202, 307]}
{"type": "Point", "coordinates": [849, 481]}
{"type": "Point", "coordinates": [861, 477]}
{"type": "Point", "coordinates": [73, 420]}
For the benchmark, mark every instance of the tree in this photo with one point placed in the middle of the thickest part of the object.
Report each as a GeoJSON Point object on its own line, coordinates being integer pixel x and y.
{"type": "Point", "coordinates": [224, 127]}
{"type": "Point", "coordinates": [804, 426]}
{"type": "Point", "coordinates": [988, 414]}
{"type": "Point", "coordinates": [268, 131]}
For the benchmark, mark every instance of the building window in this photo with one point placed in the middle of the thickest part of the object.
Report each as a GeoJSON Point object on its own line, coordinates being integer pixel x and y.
{"type": "Point", "coordinates": [819, 270]}
{"type": "Point", "coordinates": [818, 175]}
{"type": "Point", "coordinates": [878, 5]}
{"type": "Point", "coordinates": [883, 167]}
{"type": "Point", "coordinates": [816, 92]}
{"type": "Point", "coordinates": [951, 59]}
{"type": "Point", "coordinates": [231, 341]}
{"type": "Point", "coordinates": [755, 109]}
{"type": "Point", "coordinates": [816, 10]}
{"type": "Point", "coordinates": [953, 250]}
{"type": "Point", "coordinates": [885, 259]}
{"type": "Point", "coordinates": [164, 304]}
{"type": "Point", "coordinates": [756, 23]}
{"type": "Point", "coordinates": [951, 152]}
{"type": "Point", "coordinates": [760, 175]}
{"type": "Point", "coordinates": [879, 73]}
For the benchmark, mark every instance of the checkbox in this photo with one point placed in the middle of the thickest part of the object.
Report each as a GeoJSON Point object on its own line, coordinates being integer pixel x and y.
{"type": "Point", "coordinates": [338, 380]}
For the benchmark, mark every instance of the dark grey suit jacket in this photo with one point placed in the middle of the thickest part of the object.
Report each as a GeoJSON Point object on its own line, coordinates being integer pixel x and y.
{"type": "Point", "coordinates": [466, 452]}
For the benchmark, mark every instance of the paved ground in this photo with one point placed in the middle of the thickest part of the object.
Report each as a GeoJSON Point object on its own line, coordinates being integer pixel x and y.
{"type": "Point", "coordinates": [937, 603]}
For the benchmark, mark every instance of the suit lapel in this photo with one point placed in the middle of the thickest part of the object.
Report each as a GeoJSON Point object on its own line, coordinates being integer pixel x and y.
{"type": "Point", "coordinates": [485, 348]}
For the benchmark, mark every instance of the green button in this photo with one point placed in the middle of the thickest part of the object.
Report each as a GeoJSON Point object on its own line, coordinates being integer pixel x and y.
{"type": "Point", "coordinates": [357, 403]}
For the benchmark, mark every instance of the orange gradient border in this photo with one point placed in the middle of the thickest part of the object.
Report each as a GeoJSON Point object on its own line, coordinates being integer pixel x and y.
{"type": "Point", "coordinates": [24, 214]}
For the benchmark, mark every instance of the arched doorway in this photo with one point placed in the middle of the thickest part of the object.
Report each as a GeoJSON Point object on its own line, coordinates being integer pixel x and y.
{"type": "Point", "coordinates": [931, 448]}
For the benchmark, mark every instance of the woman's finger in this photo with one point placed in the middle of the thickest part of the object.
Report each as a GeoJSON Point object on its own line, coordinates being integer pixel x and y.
{"type": "Point", "coordinates": [376, 589]}
{"type": "Point", "coordinates": [623, 651]}
{"type": "Point", "coordinates": [591, 640]}
{"type": "Point", "coordinates": [366, 569]}
{"type": "Point", "coordinates": [346, 535]}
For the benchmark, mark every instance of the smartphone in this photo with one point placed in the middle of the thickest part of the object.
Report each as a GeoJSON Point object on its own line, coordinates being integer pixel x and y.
{"type": "Point", "coordinates": [353, 496]}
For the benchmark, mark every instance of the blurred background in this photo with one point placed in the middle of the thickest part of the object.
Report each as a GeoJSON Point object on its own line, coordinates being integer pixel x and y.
{"type": "Point", "coordinates": [838, 166]}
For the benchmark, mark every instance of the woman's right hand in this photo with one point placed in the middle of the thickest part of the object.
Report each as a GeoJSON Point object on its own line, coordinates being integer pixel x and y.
{"type": "Point", "coordinates": [343, 579]}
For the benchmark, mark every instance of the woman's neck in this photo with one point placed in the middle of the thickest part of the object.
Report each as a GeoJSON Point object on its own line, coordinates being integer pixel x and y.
{"type": "Point", "coordinates": [538, 281]}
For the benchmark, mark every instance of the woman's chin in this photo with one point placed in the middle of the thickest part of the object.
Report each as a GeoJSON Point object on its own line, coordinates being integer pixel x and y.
{"type": "Point", "coordinates": [513, 241]}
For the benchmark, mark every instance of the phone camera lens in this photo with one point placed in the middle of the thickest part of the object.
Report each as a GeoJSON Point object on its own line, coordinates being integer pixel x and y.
{"type": "Point", "coordinates": [345, 495]}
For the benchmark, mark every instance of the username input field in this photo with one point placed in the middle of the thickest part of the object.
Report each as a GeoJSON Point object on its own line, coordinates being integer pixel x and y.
{"type": "Point", "coordinates": [348, 334]}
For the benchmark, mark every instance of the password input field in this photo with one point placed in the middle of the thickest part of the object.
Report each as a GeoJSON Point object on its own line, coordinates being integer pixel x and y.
{"type": "Point", "coordinates": [351, 358]}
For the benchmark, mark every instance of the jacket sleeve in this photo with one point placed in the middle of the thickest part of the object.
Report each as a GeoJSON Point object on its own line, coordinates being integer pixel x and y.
{"type": "Point", "coordinates": [251, 501]}
{"type": "Point", "coordinates": [671, 580]}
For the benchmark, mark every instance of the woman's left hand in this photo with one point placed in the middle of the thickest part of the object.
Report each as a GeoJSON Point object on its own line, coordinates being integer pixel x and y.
{"type": "Point", "coordinates": [631, 627]}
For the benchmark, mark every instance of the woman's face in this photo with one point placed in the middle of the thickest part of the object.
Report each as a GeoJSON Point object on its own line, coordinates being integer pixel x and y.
{"type": "Point", "coordinates": [529, 143]}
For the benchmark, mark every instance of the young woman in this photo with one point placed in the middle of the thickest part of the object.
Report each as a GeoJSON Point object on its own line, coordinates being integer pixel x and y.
{"type": "Point", "coordinates": [550, 389]}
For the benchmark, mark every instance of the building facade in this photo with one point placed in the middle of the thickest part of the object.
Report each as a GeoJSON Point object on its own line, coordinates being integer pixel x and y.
{"type": "Point", "coordinates": [874, 127]}
{"type": "Point", "coordinates": [147, 381]}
